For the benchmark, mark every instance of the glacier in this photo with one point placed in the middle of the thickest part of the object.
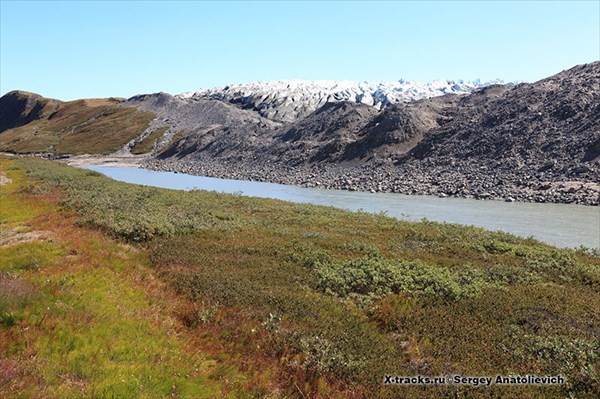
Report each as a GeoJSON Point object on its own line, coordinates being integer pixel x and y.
{"type": "Point", "coordinates": [289, 100]}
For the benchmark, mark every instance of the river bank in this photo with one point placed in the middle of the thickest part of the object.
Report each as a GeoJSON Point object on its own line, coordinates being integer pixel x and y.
{"type": "Point", "coordinates": [465, 181]}
{"type": "Point", "coordinates": [563, 225]}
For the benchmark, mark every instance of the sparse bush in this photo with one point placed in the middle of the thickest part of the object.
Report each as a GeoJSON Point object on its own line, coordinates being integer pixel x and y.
{"type": "Point", "coordinates": [395, 311]}
{"type": "Point", "coordinates": [497, 247]}
{"type": "Point", "coordinates": [196, 314]}
{"type": "Point", "coordinates": [8, 319]}
{"type": "Point", "coordinates": [322, 357]}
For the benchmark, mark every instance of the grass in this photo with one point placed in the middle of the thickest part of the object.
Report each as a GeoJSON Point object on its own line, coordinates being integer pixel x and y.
{"type": "Point", "coordinates": [82, 316]}
{"type": "Point", "coordinates": [96, 126]}
{"type": "Point", "coordinates": [147, 145]}
{"type": "Point", "coordinates": [321, 302]}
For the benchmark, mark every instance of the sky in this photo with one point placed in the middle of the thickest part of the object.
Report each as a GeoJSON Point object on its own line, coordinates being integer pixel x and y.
{"type": "Point", "coordinates": [69, 50]}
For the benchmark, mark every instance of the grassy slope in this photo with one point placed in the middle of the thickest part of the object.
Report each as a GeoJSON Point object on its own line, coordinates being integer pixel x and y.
{"type": "Point", "coordinates": [147, 145]}
{"type": "Point", "coordinates": [82, 315]}
{"type": "Point", "coordinates": [94, 126]}
{"type": "Point", "coordinates": [339, 299]}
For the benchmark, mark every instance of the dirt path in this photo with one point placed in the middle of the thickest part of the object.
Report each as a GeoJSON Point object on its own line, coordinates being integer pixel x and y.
{"type": "Point", "coordinates": [120, 161]}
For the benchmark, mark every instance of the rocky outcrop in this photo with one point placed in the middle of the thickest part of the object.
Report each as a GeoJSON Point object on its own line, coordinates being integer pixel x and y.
{"type": "Point", "coordinates": [320, 137]}
{"type": "Point", "coordinates": [548, 130]}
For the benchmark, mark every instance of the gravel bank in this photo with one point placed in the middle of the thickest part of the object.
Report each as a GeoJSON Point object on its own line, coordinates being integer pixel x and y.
{"type": "Point", "coordinates": [466, 181]}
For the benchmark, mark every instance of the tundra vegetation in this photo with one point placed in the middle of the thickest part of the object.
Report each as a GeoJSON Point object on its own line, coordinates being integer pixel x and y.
{"type": "Point", "coordinates": [116, 290]}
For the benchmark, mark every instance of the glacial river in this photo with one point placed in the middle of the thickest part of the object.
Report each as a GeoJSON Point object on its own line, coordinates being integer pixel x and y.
{"type": "Point", "coordinates": [557, 224]}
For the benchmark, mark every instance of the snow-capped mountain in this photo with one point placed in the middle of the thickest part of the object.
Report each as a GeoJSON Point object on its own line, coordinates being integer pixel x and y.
{"type": "Point", "coordinates": [288, 100]}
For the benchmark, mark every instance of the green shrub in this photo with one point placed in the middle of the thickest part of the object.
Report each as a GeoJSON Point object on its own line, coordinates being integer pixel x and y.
{"type": "Point", "coordinates": [373, 277]}
{"type": "Point", "coordinates": [577, 359]}
{"type": "Point", "coordinates": [148, 144]}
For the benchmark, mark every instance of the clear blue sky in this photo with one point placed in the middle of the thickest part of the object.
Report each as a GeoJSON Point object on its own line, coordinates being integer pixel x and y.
{"type": "Point", "coordinates": [71, 50]}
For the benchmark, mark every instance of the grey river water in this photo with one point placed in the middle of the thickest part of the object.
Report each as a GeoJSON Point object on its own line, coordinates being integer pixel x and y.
{"type": "Point", "coordinates": [557, 224]}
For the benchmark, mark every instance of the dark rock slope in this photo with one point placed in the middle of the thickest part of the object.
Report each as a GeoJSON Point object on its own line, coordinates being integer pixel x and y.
{"type": "Point", "coordinates": [551, 127]}
{"type": "Point", "coordinates": [530, 142]}
{"type": "Point", "coordinates": [205, 126]}
{"type": "Point", "coordinates": [322, 136]}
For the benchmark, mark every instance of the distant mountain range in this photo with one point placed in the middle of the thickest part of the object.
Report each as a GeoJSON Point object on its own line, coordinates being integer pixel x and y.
{"type": "Point", "coordinates": [529, 141]}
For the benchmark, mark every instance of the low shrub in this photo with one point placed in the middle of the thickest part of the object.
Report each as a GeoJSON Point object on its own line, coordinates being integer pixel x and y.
{"type": "Point", "coordinates": [576, 359]}
{"type": "Point", "coordinates": [373, 277]}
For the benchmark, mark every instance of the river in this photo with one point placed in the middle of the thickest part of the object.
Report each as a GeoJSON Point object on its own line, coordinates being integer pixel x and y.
{"type": "Point", "coordinates": [563, 225]}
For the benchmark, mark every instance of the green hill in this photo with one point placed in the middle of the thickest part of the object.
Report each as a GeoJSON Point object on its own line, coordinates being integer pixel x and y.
{"type": "Point", "coordinates": [32, 123]}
